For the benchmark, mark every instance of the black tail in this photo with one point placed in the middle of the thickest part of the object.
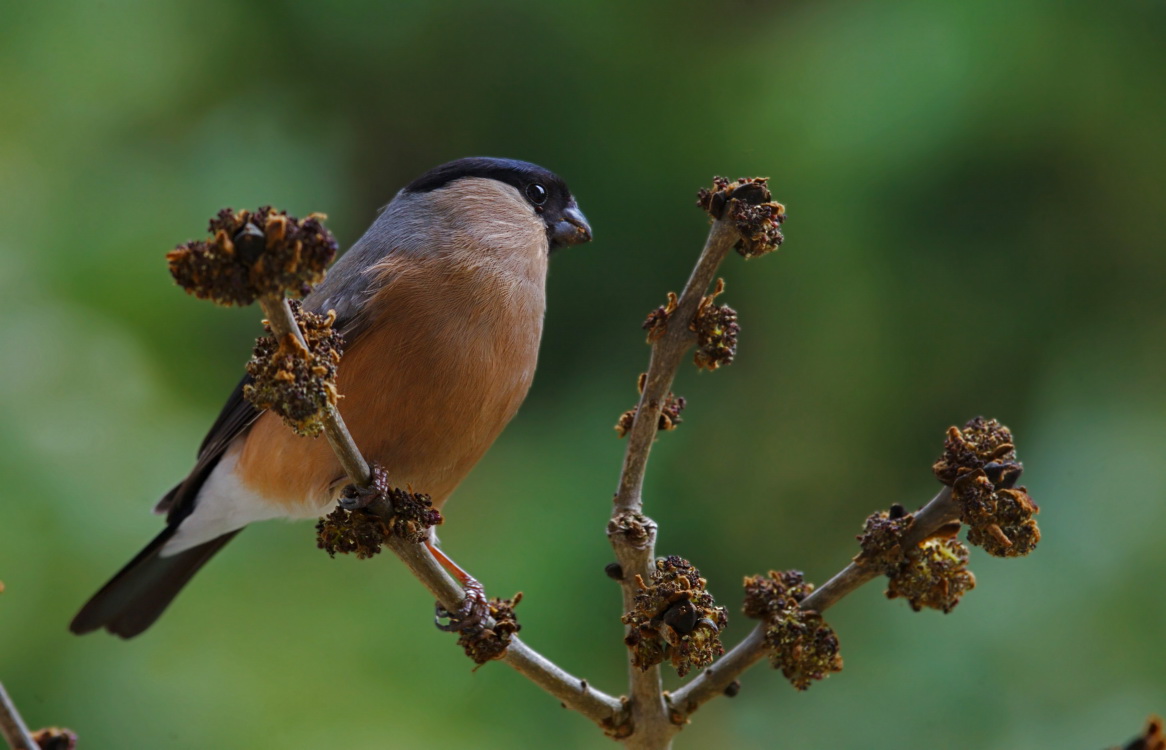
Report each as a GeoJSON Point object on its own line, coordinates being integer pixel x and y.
{"type": "Point", "coordinates": [136, 597]}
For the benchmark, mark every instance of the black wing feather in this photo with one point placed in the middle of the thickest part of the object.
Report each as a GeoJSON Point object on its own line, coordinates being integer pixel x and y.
{"type": "Point", "coordinates": [139, 593]}
{"type": "Point", "coordinates": [236, 416]}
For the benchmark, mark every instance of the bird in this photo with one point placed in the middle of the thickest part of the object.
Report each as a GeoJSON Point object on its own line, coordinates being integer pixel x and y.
{"type": "Point", "coordinates": [441, 305]}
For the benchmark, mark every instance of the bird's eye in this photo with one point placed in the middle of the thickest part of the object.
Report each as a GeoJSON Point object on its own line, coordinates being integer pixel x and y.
{"type": "Point", "coordinates": [537, 193]}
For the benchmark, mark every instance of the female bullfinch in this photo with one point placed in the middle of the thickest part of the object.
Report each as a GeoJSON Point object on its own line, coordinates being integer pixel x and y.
{"type": "Point", "coordinates": [441, 306]}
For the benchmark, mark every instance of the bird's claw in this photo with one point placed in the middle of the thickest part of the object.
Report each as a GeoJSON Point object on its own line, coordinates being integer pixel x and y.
{"type": "Point", "coordinates": [353, 498]}
{"type": "Point", "coordinates": [472, 613]}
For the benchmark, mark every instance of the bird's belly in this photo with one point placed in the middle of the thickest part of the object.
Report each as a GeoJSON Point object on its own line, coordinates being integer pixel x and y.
{"type": "Point", "coordinates": [426, 410]}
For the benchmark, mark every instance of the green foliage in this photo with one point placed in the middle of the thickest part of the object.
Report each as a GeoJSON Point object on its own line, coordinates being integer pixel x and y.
{"type": "Point", "coordinates": [974, 195]}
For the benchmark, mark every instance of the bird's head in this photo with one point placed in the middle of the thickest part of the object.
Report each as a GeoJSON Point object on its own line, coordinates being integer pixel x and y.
{"type": "Point", "coordinates": [507, 191]}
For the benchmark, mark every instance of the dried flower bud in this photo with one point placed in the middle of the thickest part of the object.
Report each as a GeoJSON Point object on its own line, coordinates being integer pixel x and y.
{"type": "Point", "coordinates": [657, 321]}
{"type": "Point", "coordinates": [760, 228]}
{"type": "Point", "coordinates": [999, 520]}
{"type": "Point", "coordinates": [55, 738]}
{"type": "Point", "coordinates": [769, 596]}
{"type": "Point", "coordinates": [882, 540]}
{"type": "Point", "coordinates": [750, 206]}
{"type": "Point", "coordinates": [254, 254]}
{"type": "Point", "coordinates": [351, 532]}
{"type": "Point", "coordinates": [384, 511]}
{"type": "Point", "coordinates": [669, 415]}
{"type": "Point", "coordinates": [935, 574]}
{"type": "Point", "coordinates": [296, 383]}
{"type": "Point", "coordinates": [714, 201]}
{"type": "Point", "coordinates": [801, 644]}
{"type": "Point", "coordinates": [981, 444]}
{"type": "Point", "coordinates": [482, 643]}
{"type": "Point", "coordinates": [675, 618]}
{"type": "Point", "coordinates": [637, 529]}
{"type": "Point", "coordinates": [803, 647]}
{"type": "Point", "coordinates": [716, 331]}
{"type": "Point", "coordinates": [1006, 541]}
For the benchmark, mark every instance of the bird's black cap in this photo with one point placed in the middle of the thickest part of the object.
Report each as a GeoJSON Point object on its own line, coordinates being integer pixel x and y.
{"type": "Point", "coordinates": [545, 190]}
{"type": "Point", "coordinates": [520, 174]}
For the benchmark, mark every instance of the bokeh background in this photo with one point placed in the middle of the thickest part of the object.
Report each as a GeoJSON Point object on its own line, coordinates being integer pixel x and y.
{"type": "Point", "coordinates": [975, 194]}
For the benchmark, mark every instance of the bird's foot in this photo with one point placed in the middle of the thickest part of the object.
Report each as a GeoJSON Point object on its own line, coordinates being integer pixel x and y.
{"type": "Point", "coordinates": [470, 616]}
{"type": "Point", "coordinates": [353, 498]}
{"type": "Point", "coordinates": [474, 609]}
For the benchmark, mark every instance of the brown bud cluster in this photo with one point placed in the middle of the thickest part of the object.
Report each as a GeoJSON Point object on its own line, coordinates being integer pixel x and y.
{"type": "Point", "coordinates": [636, 528]}
{"type": "Point", "coordinates": [803, 647]}
{"type": "Point", "coordinates": [932, 574]}
{"type": "Point", "coordinates": [881, 539]}
{"type": "Point", "coordinates": [767, 597]}
{"type": "Point", "coordinates": [999, 520]}
{"type": "Point", "coordinates": [351, 532]}
{"type": "Point", "coordinates": [413, 515]}
{"type": "Point", "coordinates": [383, 511]}
{"type": "Point", "coordinates": [657, 321]}
{"type": "Point", "coordinates": [55, 738]}
{"type": "Point", "coordinates": [254, 254]}
{"type": "Point", "coordinates": [760, 228]}
{"type": "Point", "coordinates": [482, 643]}
{"type": "Point", "coordinates": [407, 515]}
{"type": "Point", "coordinates": [801, 644]}
{"type": "Point", "coordinates": [716, 331]}
{"type": "Point", "coordinates": [296, 383]}
{"type": "Point", "coordinates": [981, 444]}
{"type": "Point", "coordinates": [750, 206]}
{"type": "Point", "coordinates": [669, 412]}
{"type": "Point", "coordinates": [935, 575]}
{"type": "Point", "coordinates": [675, 618]}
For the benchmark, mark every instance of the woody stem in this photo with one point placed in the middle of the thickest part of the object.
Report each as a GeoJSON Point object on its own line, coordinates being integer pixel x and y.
{"type": "Point", "coordinates": [633, 536]}
{"type": "Point", "coordinates": [12, 727]}
{"type": "Point", "coordinates": [573, 692]}
{"type": "Point", "coordinates": [939, 512]}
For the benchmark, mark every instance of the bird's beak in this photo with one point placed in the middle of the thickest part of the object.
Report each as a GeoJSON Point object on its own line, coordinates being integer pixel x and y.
{"type": "Point", "coordinates": [572, 229]}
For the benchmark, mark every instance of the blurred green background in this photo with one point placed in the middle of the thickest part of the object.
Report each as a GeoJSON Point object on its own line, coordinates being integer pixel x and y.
{"type": "Point", "coordinates": [974, 191]}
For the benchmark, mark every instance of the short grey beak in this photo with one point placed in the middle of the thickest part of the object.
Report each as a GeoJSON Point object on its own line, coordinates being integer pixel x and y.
{"type": "Point", "coordinates": [572, 229]}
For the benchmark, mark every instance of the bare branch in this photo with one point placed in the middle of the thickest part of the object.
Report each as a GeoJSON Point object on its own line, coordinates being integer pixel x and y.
{"type": "Point", "coordinates": [596, 705]}
{"type": "Point", "coordinates": [608, 712]}
{"type": "Point", "coordinates": [649, 713]}
{"type": "Point", "coordinates": [633, 536]}
{"type": "Point", "coordinates": [601, 708]}
{"type": "Point", "coordinates": [12, 727]}
{"type": "Point", "coordinates": [940, 511]}
{"type": "Point", "coordinates": [745, 218]}
{"type": "Point", "coordinates": [667, 352]}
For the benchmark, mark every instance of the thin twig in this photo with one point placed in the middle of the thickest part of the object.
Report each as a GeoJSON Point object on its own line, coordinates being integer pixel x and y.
{"type": "Point", "coordinates": [940, 511]}
{"type": "Point", "coordinates": [596, 705]}
{"type": "Point", "coordinates": [15, 732]}
{"type": "Point", "coordinates": [635, 551]}
{"type": "Point", "coordinates": [603, 709]}
{"type": "Point", "coordinates": [649, 713]}
{"type": "Point", "coordinates": [667, 352]}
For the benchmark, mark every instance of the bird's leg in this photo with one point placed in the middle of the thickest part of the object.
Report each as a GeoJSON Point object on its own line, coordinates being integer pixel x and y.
{"type": "Point", "coordinates": [474, 608]}
{"type": "Point", "coordinates": [455, 570]}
